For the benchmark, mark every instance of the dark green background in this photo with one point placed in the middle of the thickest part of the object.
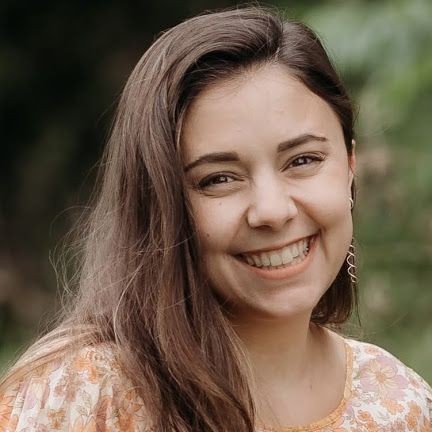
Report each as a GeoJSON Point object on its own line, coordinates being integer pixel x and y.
{"type": "Point", "coordinates": [62, 67]}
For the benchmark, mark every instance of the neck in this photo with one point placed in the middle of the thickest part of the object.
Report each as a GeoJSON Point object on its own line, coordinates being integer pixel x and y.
{"type": "Point", "coordinates": [293, 363]}
{"type": "Point", "coordinates": [280, 350]}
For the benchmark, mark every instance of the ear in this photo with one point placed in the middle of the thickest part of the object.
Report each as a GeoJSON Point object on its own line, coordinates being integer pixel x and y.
{"type": "Point", "coordinates": [352, 162]}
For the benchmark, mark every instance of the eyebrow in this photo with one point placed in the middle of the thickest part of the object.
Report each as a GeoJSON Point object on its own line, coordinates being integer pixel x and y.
{"type": "Point", "coordinates": [217, 157]}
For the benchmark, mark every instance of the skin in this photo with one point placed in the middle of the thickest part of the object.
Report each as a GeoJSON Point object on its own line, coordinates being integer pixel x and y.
{"type": "Point", "coordinates": [263, 200]}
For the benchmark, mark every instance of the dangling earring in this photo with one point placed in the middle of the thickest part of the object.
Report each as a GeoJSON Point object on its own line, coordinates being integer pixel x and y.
{"type": "Point", "coordinates": [350, 259]}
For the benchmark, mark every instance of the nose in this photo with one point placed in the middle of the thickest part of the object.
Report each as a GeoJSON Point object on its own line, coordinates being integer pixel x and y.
{"type": "Point", "coordinates": [271, 204]}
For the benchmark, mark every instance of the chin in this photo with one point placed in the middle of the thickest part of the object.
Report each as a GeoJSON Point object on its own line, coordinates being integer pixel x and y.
{"type": "Point", "coordinates": [274, 310]}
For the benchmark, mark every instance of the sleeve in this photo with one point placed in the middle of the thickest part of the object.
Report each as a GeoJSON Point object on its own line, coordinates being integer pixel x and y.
{"type": "Point", "coordinates": [429, 399]}
{"type": "Point", "coordinates": [428, 395]}
{"type": "Point", "coordinates": [424, 392]}
{"type": "Point", "coordinates": [84, 392]}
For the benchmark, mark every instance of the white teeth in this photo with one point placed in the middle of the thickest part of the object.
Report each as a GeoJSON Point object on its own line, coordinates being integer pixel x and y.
{"type": "Point", "coordinates": [287, 255]}
{"type": "Point", "coordinates": [257, 260]}
{"type": "Point", "coordinates": [265, 259]}
{"type": "Point", "coordinates": [275, 259]}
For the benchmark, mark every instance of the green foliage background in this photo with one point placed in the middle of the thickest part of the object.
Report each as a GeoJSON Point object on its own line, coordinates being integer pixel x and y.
{"type": "Point", "coordinates": [62, 66]}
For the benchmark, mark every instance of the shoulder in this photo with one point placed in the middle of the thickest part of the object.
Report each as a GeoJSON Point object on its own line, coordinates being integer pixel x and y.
{"type": "Point", "coordinates": [369, 357]}
{"type": "Point", "coordinates": [380, 376]}
{"type": "Point", "coordinates": [83, 390]}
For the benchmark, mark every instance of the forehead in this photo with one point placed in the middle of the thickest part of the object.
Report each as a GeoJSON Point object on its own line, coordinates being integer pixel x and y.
{"type": "Point", "coordinates": [253, 111]}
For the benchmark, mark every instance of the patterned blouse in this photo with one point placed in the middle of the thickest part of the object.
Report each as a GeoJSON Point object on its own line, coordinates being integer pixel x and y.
{"type": "Point", "coordinates": [87, 392]}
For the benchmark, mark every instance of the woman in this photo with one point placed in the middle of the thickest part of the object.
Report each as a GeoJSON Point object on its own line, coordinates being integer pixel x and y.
{"type": "Point", "coordinates": [219, 254]}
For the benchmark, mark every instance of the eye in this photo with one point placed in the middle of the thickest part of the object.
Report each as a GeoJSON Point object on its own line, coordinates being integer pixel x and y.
{"type": "Point", "coordinates": [215, 180]}
{"type": "Point", "coordinates": [304, 160]}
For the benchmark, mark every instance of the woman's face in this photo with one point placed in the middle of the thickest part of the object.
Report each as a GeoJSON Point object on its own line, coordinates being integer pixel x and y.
{"type": "Point", "coordinates": [269, 183]}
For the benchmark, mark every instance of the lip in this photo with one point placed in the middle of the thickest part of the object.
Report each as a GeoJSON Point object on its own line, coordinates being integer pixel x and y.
{"type": "Point", "coordinates": [283, 273]}
{"type": "Point", "coordinates": [274, 248]}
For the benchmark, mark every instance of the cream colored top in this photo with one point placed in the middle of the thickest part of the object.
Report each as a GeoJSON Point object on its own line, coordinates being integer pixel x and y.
{"type": "Point", "coordinates": [87, 391]}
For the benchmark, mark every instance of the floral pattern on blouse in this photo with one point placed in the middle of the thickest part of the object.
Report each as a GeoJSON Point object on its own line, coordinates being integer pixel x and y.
{"type": "Point", "coordinates": [84, 392]}
{"type": "Point", "coordinates": [88, 392]}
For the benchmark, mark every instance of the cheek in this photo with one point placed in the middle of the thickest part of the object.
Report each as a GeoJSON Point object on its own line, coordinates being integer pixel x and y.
{"type": "Point", "coordinates": [327, 201]}
{"type": "Point", "coordinates": [334, 208]}
{"type": "Point", "coordinates": [216, 222]}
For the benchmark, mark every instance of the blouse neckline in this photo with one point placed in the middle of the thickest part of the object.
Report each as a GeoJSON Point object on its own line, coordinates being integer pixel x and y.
{"type": "Point", "coordinates": [337, 412]}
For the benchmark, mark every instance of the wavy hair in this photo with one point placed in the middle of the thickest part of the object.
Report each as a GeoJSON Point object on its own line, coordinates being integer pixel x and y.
{"type": "Point", "coordinates": [140, 286]}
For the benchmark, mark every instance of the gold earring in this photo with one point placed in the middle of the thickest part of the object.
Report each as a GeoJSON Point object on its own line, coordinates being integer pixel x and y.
{"type": "Point", "coordinates": [350, 259]}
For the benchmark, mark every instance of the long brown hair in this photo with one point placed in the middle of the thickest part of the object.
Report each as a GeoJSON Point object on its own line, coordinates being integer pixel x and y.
{"type": "Point", "coordinates": [140, 285]}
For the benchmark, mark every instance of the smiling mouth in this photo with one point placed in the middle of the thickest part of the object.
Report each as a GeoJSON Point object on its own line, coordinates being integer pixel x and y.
{"type": "Point", "coordinates": [287, 256]}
